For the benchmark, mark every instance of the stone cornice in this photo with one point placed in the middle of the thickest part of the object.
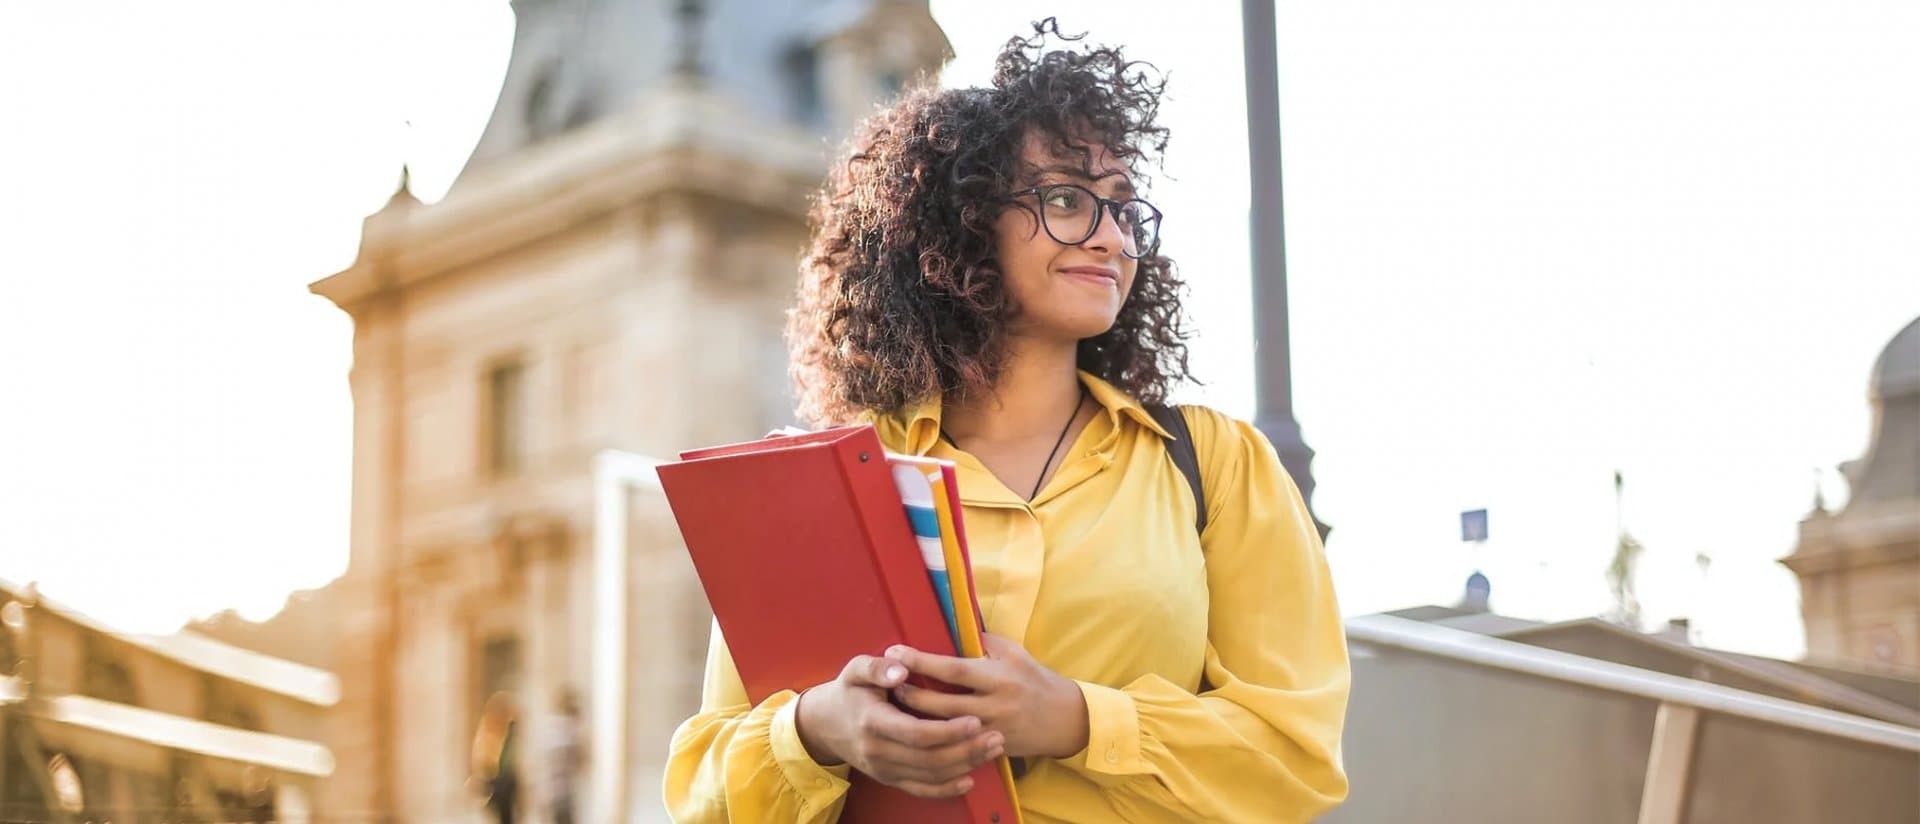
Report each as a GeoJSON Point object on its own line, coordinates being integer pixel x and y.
{"type": "Point", "coordinates": [679, 139]}
{"type": "Point", "coordinates": [1862, 536]}
{"type": "Point", "coordinates": [1850, 558]}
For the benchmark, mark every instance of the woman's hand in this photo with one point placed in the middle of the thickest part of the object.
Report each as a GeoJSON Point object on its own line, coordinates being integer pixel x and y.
{"type": "Point", "coordinates": [849, 720]}
{"type": "Point", "coordinates": [1041, 712]}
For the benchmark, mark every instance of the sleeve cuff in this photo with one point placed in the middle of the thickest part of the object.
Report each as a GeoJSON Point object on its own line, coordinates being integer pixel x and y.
{"type": "Point", "coordinates": [820, 785]}
{"type": "Point", "coordinates": [1113, 733]}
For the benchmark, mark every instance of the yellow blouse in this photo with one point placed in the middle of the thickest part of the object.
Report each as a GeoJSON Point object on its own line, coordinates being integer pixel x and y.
{"type": "Point", "coordinates": [1102, 578]}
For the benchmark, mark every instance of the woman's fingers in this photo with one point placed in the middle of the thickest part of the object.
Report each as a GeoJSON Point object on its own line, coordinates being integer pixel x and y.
{"type": "Point", "coordinates": [930, 758]}
{"type": "Point", "coordinates": [895, 747]}
{"type": "Point", "coordinates": [936, 703]}
{"type": "Point", "coordinates": [966, 755]}
{"type": "Point", "coordinates": [972, 673]}
{"type": "Point", "coordinates": [886, 722]}
{"type": "Point", "coordinates": [949, 789]}
{"type": "Point", "coordinates": [998, 647]}
{"type": "Point", "coordinates": [894, 762]}
{"type": "Point", "coordinates": [873, 671]}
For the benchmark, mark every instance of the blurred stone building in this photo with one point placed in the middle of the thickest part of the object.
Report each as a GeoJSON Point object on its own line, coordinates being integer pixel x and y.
{"type": "Point", "coordinates": [1859, 568]}
{"type": "Point", "coordinates": [100, 725]}
{"type": "Point", "coordinates": [609, 272]}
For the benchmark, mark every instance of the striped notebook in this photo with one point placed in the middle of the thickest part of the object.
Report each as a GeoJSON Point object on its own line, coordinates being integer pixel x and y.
{"type": "Point", "coordinates": [931, 496]}
{"type": "Point", "coordinates": [932, 500]}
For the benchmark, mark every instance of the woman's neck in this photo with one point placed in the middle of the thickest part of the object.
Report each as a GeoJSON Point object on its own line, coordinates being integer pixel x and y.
{"type": "Point", "coordinates": [1037, 390]}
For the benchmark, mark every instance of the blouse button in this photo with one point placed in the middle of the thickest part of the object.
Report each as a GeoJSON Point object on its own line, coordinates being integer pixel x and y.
{"type": "Point", "coordinates": [1113, 754]}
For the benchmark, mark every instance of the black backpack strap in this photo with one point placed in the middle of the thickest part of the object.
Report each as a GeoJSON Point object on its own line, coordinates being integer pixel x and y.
{"type": "Point", "coordinates": [1181, 449]}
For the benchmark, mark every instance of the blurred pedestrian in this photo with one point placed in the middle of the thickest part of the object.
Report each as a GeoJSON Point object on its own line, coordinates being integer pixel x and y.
{"type": "Point", "coordinates": [495, 760]}
{"type": "Point", "coordinates": [565, 757]}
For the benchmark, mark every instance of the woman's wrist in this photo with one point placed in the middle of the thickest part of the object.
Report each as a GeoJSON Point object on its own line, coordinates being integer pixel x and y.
{"type": "Point", "coordinates": [1075, 728]}
{"type": "Point", "coordinates": [805, 722]}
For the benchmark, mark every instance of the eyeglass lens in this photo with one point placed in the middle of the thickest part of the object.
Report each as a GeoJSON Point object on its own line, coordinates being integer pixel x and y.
{"type": "Point", "coordinates": [1070, 214]}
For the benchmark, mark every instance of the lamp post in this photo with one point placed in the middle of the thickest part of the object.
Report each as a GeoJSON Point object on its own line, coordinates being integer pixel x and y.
{"type": "Point", "coordinates": [1273, 369]}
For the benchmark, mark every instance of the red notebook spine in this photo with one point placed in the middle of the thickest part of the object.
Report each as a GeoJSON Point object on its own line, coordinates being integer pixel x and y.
{"type": "Point", "coordinates": [896, 553]}
{"type": "Point", "coordinates": [922, 627]}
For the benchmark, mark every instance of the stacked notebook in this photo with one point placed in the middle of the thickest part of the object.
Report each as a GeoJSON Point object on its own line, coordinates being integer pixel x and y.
{"type": "Point", "coordinates": [817, 547]}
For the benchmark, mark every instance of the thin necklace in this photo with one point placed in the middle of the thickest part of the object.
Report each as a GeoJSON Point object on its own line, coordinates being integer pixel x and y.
{"type": "Point", "coordinates": [1078, 402]}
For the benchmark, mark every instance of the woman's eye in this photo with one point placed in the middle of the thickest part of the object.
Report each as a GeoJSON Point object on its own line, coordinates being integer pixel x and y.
{"type": "Point", "coordinates": [1064, 199]}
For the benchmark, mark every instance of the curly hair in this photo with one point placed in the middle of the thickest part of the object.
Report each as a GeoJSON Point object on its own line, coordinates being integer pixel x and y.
{"type": "Point", "coordinates": [900, 295]}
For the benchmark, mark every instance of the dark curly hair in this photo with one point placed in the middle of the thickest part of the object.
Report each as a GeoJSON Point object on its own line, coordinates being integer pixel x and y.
{"type": "Point", "coordinates": [900, 296]}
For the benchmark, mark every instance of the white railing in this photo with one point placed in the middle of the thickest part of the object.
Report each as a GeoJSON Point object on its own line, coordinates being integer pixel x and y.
{"type": "Point", "coordinates": [1681, 700]}
{"type": "Point", "coordinates": [1414, 636]}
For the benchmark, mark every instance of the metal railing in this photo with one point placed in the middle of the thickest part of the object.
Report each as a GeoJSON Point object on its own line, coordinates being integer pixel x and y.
{"type": "Point", "coordinates": [1414, 636]}
{"type": "Point", "coordinates": [1681, 701]}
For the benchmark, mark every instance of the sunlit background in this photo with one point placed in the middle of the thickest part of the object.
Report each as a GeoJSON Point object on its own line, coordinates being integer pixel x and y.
{"type": "Point", "coordinates": [1528, 244]}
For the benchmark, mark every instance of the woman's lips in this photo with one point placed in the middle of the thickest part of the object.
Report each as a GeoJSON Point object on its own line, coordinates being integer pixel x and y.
{"type": "Point", "coordinates": [1095, 274]}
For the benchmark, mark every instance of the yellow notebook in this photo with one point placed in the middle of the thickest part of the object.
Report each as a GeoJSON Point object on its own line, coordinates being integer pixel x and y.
{"type": "Point", "coordinates": [966, 608]}
{"type": "Point", "coordinates": [959, 569]}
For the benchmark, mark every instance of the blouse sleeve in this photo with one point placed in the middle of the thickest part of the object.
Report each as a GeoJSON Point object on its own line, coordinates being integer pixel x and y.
{"type": "Point", "coordinates": [1261, 741]}
{"type": "Point", "coordinates": [736, 762]}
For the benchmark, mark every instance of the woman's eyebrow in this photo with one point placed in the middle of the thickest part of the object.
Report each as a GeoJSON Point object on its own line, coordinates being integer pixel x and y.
{"type": "Point", "coordinates": [1123, 185]}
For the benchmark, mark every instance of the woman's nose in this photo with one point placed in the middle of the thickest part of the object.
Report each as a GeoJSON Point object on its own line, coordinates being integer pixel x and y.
{"type": "Point", "coordinates": [1109, 236]}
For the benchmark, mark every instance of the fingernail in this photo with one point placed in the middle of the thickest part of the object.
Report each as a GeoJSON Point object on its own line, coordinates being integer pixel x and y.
{"type": "Point", "coordinates": [966, 784]}
{"type": "Point", "coordinates": [895, 673]}
{"type": "Point", "coordinates": [895, 651]}
{"type": "Point", "coordinates": [996, 740]}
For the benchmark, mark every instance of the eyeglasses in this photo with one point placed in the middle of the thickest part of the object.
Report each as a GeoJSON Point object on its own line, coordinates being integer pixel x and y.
{"type": "Point", "coordinates": [1071, 214]}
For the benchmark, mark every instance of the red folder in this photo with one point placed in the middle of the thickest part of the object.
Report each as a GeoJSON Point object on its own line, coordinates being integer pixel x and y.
{"type": "Point", "coordinates": [804, 549]}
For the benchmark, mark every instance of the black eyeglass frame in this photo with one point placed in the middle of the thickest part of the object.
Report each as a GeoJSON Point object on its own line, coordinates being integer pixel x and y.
{"type": "Point", "coordinates": [1104, 205]}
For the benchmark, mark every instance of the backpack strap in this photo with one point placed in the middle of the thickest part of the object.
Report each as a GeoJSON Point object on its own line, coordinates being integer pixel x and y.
{"type": "Point", "coordinates": [1181, 449]}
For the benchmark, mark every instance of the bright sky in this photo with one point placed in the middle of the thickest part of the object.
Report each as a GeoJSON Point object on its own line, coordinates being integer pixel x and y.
{"type": "Point", "coordinates": [1528, 243]}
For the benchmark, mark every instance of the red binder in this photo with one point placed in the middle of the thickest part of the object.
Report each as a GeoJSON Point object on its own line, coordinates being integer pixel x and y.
{"type": "Point", "coordinates": [807, 557]}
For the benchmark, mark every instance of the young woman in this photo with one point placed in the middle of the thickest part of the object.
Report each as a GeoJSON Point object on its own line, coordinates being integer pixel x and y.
{"type": "Point", "coordinates": [985, 286]}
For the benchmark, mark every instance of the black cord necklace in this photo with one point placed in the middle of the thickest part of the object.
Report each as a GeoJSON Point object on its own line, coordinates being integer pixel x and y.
{"type": "Point", "coordinates": [1078, 402]}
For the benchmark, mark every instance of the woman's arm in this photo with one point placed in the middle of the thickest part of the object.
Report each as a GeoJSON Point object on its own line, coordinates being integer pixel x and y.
{"type": "Point", "coordinates": [735, 762]}
{"type": "Point", "coordinates": [740, 763]}
{"type": "Point", "coordinates": [1262, 741]}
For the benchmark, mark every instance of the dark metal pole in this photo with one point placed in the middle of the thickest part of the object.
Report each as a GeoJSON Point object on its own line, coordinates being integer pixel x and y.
{"type": "Point", "coordinates": [1273, 369]}
{"type": "Point", "coordinates": [688, 18]}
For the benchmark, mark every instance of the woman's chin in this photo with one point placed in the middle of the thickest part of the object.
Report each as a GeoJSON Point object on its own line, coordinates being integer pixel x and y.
{"type": "Point", "coordinates": [1074, 326]}
{"type": "Point", "coordinates": [1089, 328]}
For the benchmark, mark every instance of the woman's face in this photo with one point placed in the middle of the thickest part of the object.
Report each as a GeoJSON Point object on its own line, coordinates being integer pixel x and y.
{"type": "Point", "coordinates": [1061, 292]}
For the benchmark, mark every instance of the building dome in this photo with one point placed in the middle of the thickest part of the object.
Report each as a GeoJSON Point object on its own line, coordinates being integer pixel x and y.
{"type": "Point", "coordinates": [1897, 372]}
{"type": "Point", "coordinates": [1890, 471]}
